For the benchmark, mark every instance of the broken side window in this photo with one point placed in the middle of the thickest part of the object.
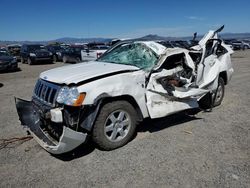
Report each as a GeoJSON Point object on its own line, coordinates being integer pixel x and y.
{"type": "Point", "coordinates": [178, 60]}
{"type": "Point", "coordinates": [196, 57]}
{"type": "Point", "coordinates": [177, 73]}
{"type": "Point", "coordinates": [221, 51]}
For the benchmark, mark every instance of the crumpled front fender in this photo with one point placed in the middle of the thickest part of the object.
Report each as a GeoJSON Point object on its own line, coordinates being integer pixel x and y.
{"type": "Point", "coordinates": [30, 119]}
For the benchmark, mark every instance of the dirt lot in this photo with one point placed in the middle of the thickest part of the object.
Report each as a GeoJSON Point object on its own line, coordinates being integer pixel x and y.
{"type": "Point", "coordinates": [208, 150]}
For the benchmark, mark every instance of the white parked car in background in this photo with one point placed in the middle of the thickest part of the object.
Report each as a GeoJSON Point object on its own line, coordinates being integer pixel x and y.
{"type": "Point", "coordinates": [105, 99]}
{"type": "Point", "coordinates": [91, 54]}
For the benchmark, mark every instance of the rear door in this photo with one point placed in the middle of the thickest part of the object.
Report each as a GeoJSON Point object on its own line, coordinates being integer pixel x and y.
{"type": "Point", "coordinates": [170, 88]}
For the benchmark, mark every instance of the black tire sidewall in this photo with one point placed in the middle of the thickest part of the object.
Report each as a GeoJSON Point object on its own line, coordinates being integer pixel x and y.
{"type": "Point", "coordinates": [29, 61]}
{"type": "Point", "coordinates": [64, 59]}
{"type": "Point", "coordinates": [22, 60]}
{"type": "Point", "coordinates": [98, 134]}
{"type": "Point", "coordinates": [54, 58]}
{"type": "Point", "coordinates": [78, 60]}
{"type": "Point", "coordinates": [222, 83]}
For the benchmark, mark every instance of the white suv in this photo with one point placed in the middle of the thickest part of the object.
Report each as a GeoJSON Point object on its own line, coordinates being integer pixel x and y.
{"type": "Point", "coordinates": [105, 99]}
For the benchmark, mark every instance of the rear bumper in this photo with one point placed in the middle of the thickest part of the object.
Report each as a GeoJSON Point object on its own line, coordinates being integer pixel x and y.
{"type": "Point", "coordinates": [30, 119]}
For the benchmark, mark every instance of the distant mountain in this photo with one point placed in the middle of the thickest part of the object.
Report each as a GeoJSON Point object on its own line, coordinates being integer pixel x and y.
{"type": "Point", "coordinates": [71, 40]}
{"type": "Point", "coordinates": [81, 40]}
{"type": "Point", "coordinates": [67, 40]}
{"type": "Point", "coordinates": [157, 37]}
{"type": "Point", "coordinates": [223, 35]}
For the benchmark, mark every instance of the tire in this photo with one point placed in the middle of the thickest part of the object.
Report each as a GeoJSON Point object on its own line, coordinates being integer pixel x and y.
{"type": "Point", "coordinates": [29, 61]}
{"type": "Point", "coordinates": [220, 91]}
{"type": "Point", "coordinates": [64, 59]}
{"type": "Point", "coordinates": [115, 125]}
{"type": "Point", "coordinates": [78, 60]}
{"type": "Point", "coordinates": [54, 58]}
{"type": "Point", "coordinates": [22, 60]}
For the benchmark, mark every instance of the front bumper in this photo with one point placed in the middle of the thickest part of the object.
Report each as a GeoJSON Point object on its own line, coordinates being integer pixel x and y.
{"type": "Point", "coordinates": [8, 66]}
{"type": "Point", "coordinates": [45, 58]}
{"type": "Point", "coordinates": [30, 119]}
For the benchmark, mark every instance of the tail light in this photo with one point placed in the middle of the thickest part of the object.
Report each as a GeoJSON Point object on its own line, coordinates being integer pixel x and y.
{"type": "Point", "coordinates": [99, 54]}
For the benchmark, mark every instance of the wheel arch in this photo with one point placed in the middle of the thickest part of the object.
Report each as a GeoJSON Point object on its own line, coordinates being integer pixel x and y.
{"type": "Point", "coordinates": [100, 101]}
{"type": "Point", "coordinates": [223, 75]}
{"type": "Point", "coordinates": [127, 98]}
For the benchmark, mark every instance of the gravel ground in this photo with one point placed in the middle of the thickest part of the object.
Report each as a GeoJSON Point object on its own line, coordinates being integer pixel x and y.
{"type": "Point", "coordinates": [208, 150]}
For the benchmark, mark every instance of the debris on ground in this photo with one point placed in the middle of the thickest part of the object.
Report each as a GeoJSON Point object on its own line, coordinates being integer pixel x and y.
{"type": "Point", "coordinates": [12, 142]}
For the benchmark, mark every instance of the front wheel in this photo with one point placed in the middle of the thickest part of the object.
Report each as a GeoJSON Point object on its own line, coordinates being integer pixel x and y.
{"type": "Point", "coordinates": [115, 125]}
{"type": "Point", "coordinates": [220, 91]}
{"type": "Point", "coordinates": [29, 61]}
{"type": "Point", "coordinates": [78, 60]}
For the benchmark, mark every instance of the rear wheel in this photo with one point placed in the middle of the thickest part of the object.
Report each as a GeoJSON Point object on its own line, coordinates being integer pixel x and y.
{"type": "Point", "coordinates": [54, 58]}
{"type": "Point", "coordinates": [29, 61]}
{"type": "Point", "coordinates": [115, 125]}
{"type": "Point", "coordinates": [219, 95]}
{"type": "Point", "coordinates": [64, 59]}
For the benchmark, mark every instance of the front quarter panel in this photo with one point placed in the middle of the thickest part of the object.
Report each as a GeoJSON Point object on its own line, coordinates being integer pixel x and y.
{"type": "Point", "coordinates": [132, 84]}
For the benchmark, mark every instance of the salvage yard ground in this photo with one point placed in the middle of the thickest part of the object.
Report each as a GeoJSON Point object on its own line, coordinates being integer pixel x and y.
{"type": "Point", "coordinates": [211, 149]}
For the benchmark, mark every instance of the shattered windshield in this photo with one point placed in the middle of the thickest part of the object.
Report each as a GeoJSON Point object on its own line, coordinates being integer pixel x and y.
{"type": "Point", "coordinates": [135, 54]}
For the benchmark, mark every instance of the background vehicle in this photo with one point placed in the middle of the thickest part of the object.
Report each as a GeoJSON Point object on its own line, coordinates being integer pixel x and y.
{"type": "Point", "coordinates": [72, 54]}
{"type": "Point", "coordinates": [93, 53]}
{"type": "Point", "coordinates": [33, 53]}
{"type": "Point", "coordinates": [7, 61]}
{"type": "Point", "coordinates": [56, 51]}
{"type": "Point", "coordinates": [246, 44]}
{"type": "Point", "coordinates": [167, 44]}
{"type": "Point", "coordinates": [177, 43]}
{"type": "Point", "coordinates": [237, 44]}
{"type": "Point", "coordinates": [14, 50]}
{"type": "Point", "coordinates": [180, 44]}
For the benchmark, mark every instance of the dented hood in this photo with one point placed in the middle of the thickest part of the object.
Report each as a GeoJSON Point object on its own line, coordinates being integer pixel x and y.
{"type": "Point", "coordinates": [83, 71]}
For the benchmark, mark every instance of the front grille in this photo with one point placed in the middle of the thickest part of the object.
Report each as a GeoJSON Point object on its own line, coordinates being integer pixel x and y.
{"type": "Point", "coordinates": [46, 92]}
{"type": "Point", "coordinates": [42, 54]}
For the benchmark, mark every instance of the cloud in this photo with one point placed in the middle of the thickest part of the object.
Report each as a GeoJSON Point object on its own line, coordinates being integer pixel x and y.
{"type": "Point", "coordinates": [195, 18]}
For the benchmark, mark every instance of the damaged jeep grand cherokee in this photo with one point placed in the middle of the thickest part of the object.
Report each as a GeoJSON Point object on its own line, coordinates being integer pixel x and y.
{"type": "Point", "coordinates": [105, 99]}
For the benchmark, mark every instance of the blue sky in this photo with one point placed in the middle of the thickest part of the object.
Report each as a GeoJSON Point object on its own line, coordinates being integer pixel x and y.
{"type": "Point", "coordinates": [52, 19]}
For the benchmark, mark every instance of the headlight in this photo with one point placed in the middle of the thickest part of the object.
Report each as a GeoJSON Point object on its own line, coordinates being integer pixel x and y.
{"type": "Point", "coordinates": [59, 53]}
{"type": "Point", "coordinates": [14, 60]}
{"type": "Point", "coordinates": [70, 96]}
{"type": "Point", "coordinates": [32, 54]}
{"type": "Point", "coordinates": [50, 53]}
